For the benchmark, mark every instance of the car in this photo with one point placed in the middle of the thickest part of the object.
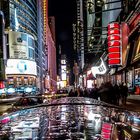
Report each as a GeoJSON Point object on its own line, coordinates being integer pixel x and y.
{"type": "Point", "coordinates": [71, 118]}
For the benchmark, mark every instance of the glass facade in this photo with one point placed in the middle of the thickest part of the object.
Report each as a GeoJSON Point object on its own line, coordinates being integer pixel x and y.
{"type": "Point", "coordinates": [23, 16]}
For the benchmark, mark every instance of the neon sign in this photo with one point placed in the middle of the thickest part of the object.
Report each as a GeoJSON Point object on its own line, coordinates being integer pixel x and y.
{"type": "Point", "coordinates": [114, 44]}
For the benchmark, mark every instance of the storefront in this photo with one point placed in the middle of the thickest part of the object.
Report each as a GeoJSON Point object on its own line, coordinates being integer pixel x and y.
{"type": "Point", "coordinates": [21, 84]}
{"type": "Point", "coordinates": [136, 64]}
{"type": "Point", "coordinates": [137, 81]}
{"type": "Point", "coordinates": [129, 71]}
{"type": "Point", "coordinates": [129, 78]}
{"type": "Point", "coordinates": [100, 80]}
{"type": "Point", "coordinates": [119, 79]}
{"type": "Point", "coordinates": [90, 80]}
{"type": "Point", "coordinates": [21, 76]}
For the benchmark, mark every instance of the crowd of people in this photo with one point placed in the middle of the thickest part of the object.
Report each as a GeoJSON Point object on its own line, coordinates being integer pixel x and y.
{"type": "Point", "coordinates": [113, 94]}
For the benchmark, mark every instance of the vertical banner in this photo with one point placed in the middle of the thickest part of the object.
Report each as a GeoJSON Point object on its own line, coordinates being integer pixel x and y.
{"type": "Point", "coordinates": [125, 45]}
{"type": "Point", "coordinates": [114, 44]}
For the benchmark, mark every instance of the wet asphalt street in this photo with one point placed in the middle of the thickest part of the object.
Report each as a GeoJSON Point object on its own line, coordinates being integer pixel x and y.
{"type": "Point", "coordinates": [74, 118]}
{"type": "Point", "coordinates": [133, 105]}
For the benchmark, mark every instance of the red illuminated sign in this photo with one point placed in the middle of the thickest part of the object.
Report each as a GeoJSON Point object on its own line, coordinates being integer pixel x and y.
{"type": "Point", "coordinates": [114, 44]}
{"type": "Point", "coordinates": [2, 85]}
{"type": "Point", "coordinates": [113, 37]}
{"type": "Point", "coordinates": [114, 55]}
{"type": "Point", "coordinates": [113, 25]}
{"type": "Point", "coordinates": [106, 131]}
{"type": "Point", "coordinates": [113, 31]}
{"type": "Point", "coordinates": [114, 49]}
{"type": "Point", "coordinates": [114, 61]}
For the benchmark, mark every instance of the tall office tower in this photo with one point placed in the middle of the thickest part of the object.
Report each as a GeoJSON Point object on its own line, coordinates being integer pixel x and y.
{"type": "Point", "coordinates": [79, 36]}
{"type": "Point", "coordinates": [42, 56]}
{"type": "Point", "coordinates": [52, 26]}
{"type": "Point", "coordinates": [52, 54]}
{"type": "Point", "coordinates": [25, 67]}
{"type": "Point", "coordinates": [49, 35]}
{"type": "Point", "coordinates": [80, 33]}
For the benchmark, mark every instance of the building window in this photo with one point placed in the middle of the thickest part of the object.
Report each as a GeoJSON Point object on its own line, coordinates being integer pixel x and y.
{"type": "Point", "coordinates": [31, 53]}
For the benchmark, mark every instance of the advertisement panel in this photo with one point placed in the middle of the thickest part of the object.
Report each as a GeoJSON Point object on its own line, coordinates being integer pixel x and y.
{"type": "Point", "coordinates": [63, 72]}
{"type": "Point", "coordinates": [17, 66]}
{"type": "Point", "coordinates": [18, 45]}
{"type": "Point", "coordinates": [21, 45]}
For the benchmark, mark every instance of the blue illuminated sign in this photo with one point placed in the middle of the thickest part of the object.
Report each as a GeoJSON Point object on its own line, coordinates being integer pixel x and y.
{"type": "Point", "coordinates": [21, 66]}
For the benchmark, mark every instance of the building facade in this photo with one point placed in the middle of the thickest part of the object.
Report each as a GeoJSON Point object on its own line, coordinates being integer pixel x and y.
{"type": "Point", "coordinates": [50, 78]}
{"type": "Point", "coordinates": [25, 45]}
{"type": "Point", "coordinates": [98, 15]}
{"type": "Point", "coordinates": [130, 70]}
{"type": "Point", "coordinates": [127, 15]}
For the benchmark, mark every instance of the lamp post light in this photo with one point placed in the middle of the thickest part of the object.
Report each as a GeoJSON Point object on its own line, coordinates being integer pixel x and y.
{"type": "Point", "coordinates": [100, 3]}
{"type": "Point", "coordinates": [90, 6]}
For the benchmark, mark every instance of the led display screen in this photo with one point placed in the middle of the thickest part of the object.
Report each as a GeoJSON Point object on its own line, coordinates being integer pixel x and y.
{"type": "Point", "coordinates": [18, 66]}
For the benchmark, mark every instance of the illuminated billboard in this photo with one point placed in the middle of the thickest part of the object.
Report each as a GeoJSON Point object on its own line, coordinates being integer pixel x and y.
{"type": "Point", "coordinates": [18, 66]}
{"type": "Point", "coordinates": [20, 44]}
{"type": "Point", "coordinates": [99, 70]}
{"type": "Point", "coordinates": [63, 72]}
{"type": "Point", "coordinates": [114, 44]}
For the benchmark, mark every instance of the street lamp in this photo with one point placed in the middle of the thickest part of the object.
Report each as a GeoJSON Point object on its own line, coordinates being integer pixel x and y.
{"type": "Point", "coordinates": [92, 37]}
{"type": "Point", "coordinates": [90, 6]}
{"type": "Point", "coordinates": [100, 3]}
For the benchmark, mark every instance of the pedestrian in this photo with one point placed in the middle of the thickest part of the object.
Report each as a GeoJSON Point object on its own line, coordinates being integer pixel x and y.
{"type": "Point", "coordinates": [124, 92]}
{"type": "Point", "coordinates": [85, 92]}
{"type": "Point", "coordinates": [79, 92]}
{"type": "Point", "coordinates": [111, 96]}
{"type": "Point", "coordinates": [103, 92]}
{"type": "Point", "coordinates": [116, 93]}
{"type": "Point", "coordinates": [71, 93]}
{"type": "Point", "coordinates": [94, 92]}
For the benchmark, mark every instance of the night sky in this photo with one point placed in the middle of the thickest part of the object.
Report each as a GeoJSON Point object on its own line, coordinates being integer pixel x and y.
{"type": "Point", "coordinates": [64, 12]}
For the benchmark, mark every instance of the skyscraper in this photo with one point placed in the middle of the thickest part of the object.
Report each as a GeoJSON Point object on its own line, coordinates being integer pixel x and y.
{"type": "Point", "coordinates": [26, 58]}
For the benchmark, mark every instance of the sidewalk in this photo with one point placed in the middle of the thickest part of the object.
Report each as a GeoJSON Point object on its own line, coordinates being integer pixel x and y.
{"type": "Point", "coordinates": [9, 100]}
{"type": "Point", "coordinates": [133, 97]}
